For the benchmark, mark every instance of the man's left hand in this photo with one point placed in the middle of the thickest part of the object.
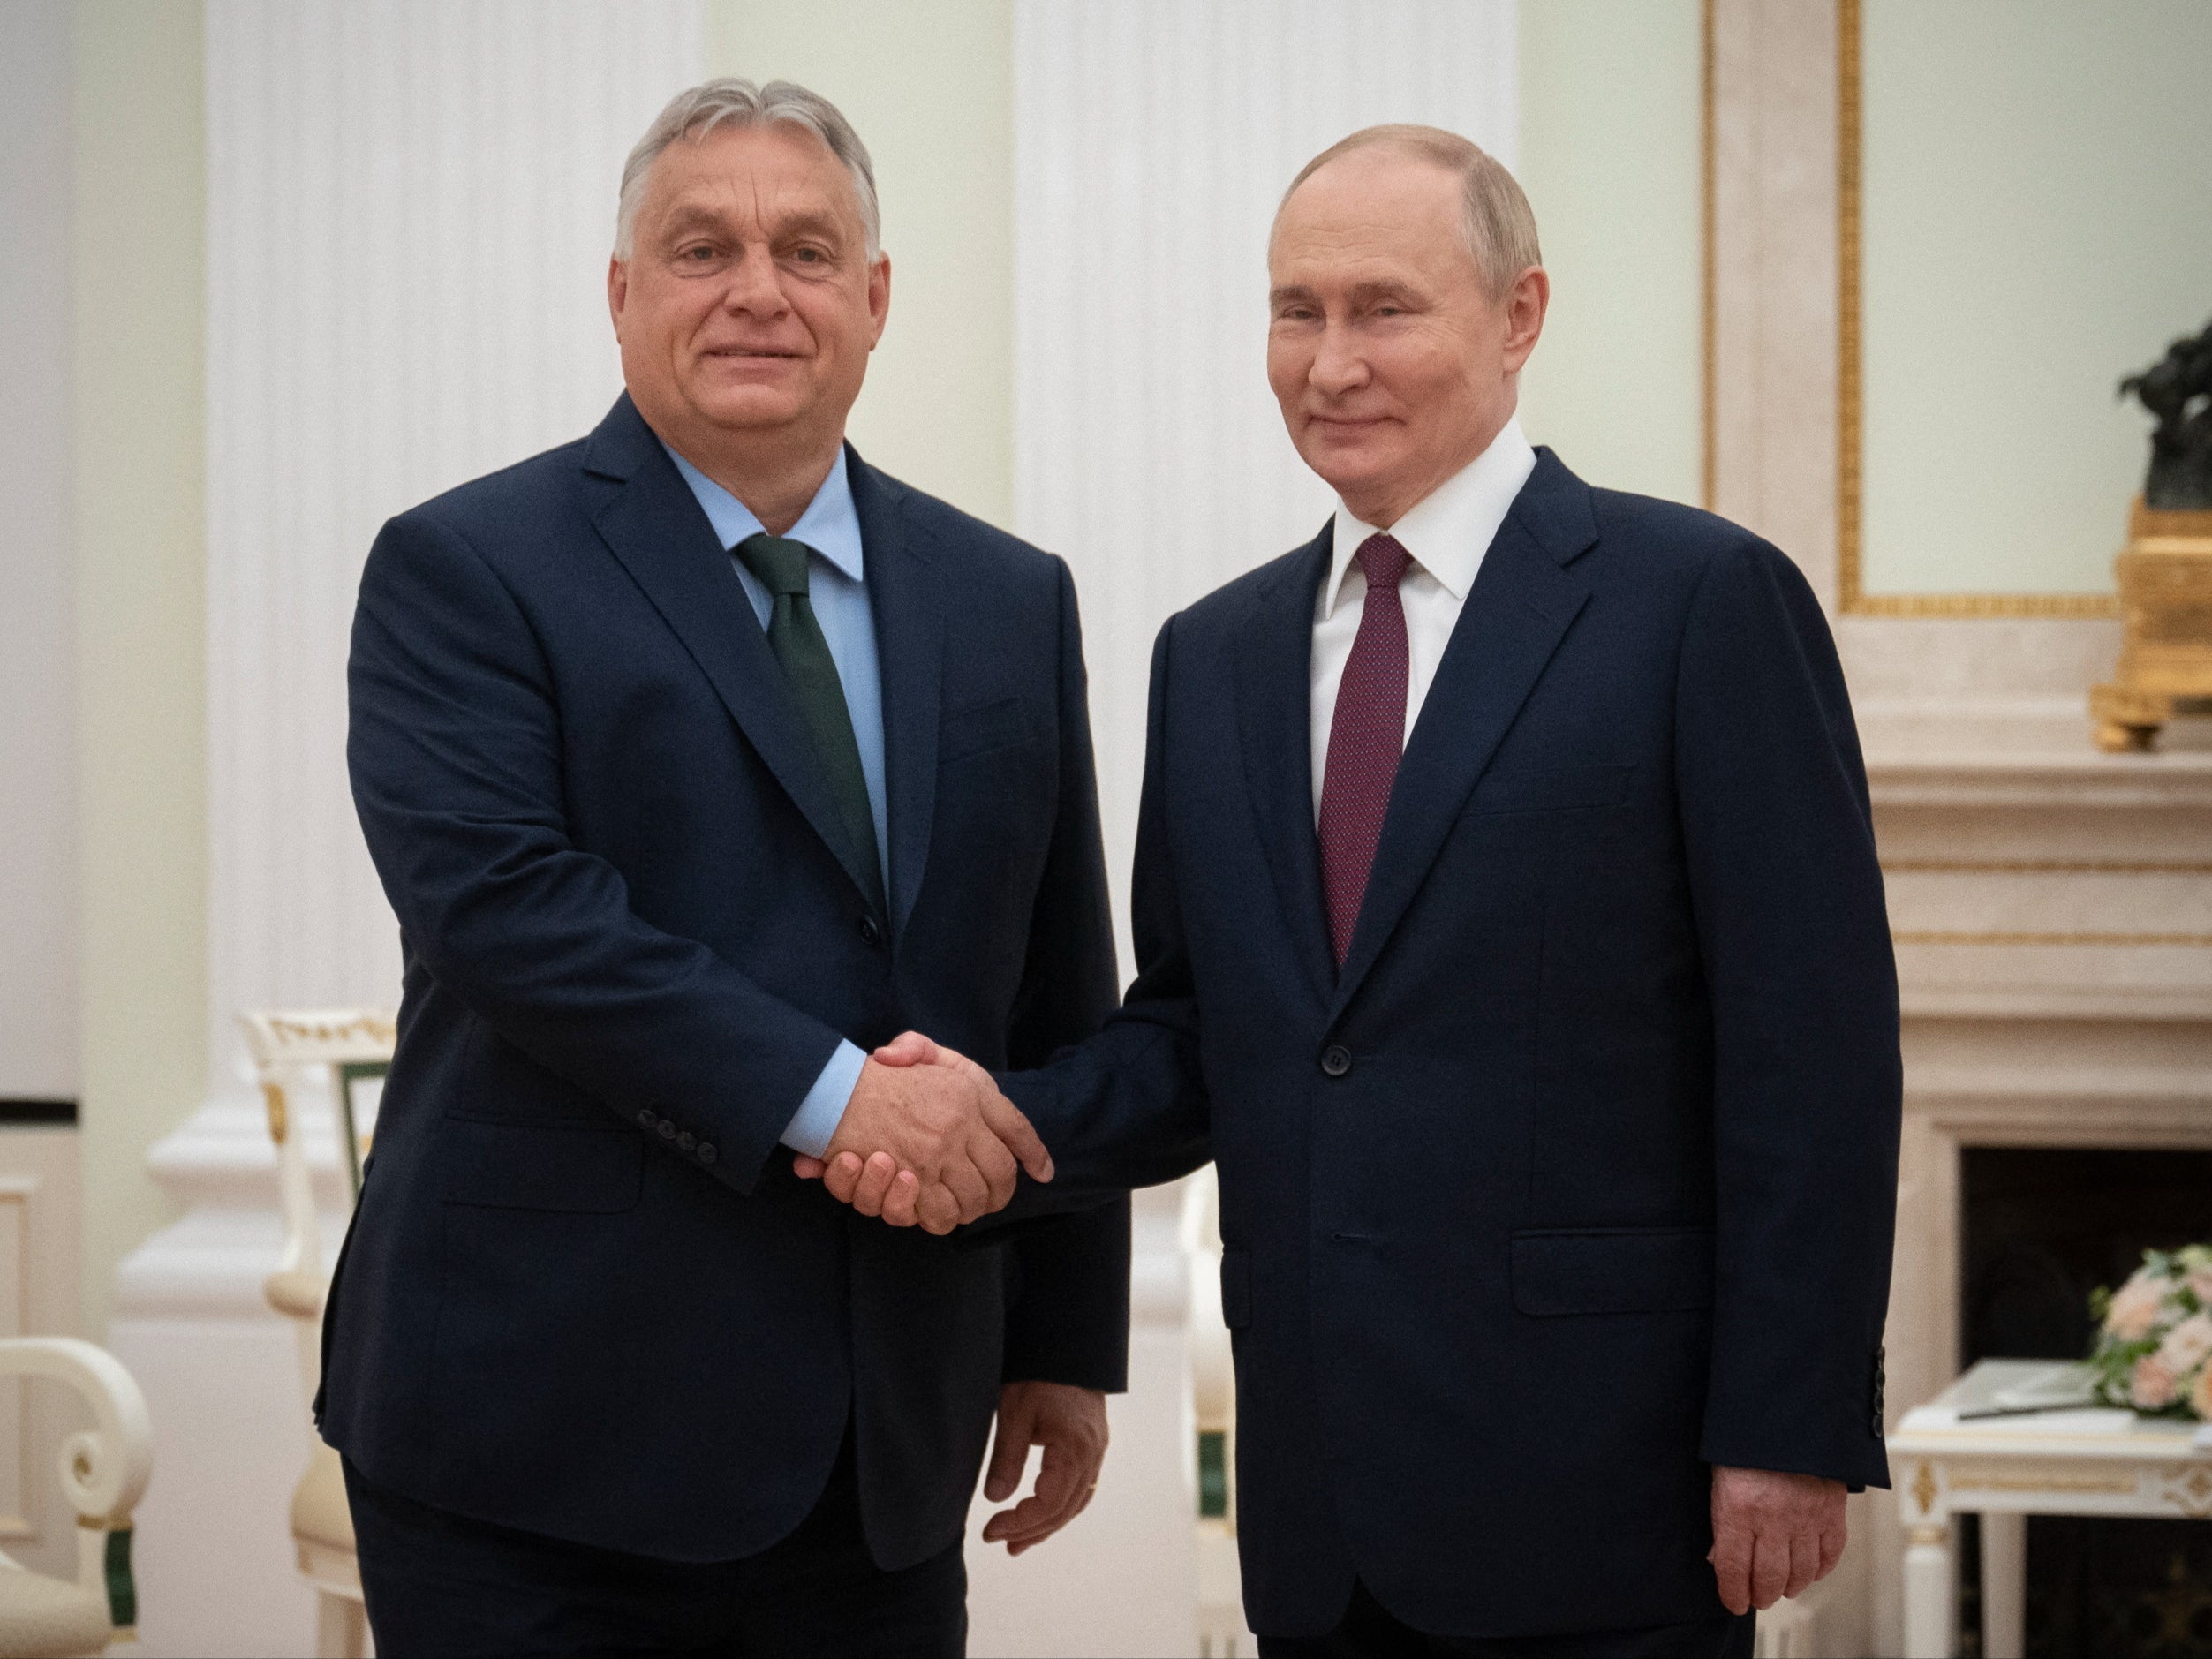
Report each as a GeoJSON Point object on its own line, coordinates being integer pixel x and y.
{"type": "Point", "coordinates": [1070, 1423]}
{"type": "Point", "coordinates": [1773, 1534]}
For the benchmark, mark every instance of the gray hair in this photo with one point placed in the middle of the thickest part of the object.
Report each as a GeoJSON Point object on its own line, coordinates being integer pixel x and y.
{"type": "Point", "coordinates": [733, 100]}
{"type": "Point", "coordinates": [1499, 226]}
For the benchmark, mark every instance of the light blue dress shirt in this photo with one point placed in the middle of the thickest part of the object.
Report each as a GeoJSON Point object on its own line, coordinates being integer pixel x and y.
{"type": "Point", "coordinates": [837, 587]}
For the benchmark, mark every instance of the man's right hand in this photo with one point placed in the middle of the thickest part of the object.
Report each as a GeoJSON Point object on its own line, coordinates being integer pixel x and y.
{"type": "Point", "coordinates": [933, 1143]}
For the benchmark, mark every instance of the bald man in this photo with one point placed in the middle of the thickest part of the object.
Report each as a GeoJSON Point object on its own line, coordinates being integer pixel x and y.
{"type": "Point", "coordinates": [1511, 937]}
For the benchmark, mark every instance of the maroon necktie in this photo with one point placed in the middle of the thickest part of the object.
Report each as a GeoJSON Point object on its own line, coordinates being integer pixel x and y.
{"type": "Point", "coordinates": [1366, 738]}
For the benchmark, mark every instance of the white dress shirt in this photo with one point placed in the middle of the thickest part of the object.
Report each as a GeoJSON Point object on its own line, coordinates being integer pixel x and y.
{"type": "Point", "coordinates": [1446, 533]}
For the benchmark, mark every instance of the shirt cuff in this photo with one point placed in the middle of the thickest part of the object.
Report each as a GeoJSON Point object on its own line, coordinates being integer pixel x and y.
{"type": "Point", "coordinates": [816, 1120]}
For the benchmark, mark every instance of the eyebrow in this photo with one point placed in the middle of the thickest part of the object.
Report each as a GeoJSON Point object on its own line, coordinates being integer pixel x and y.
{"type": "Point", "coordinates": [1363, 293]}
{"type": "Point", "coordinates": [811, 224]}
{"type": "Point", "coordinates": [685, 217]}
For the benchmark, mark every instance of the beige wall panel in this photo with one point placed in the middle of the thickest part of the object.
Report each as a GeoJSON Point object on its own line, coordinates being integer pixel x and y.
{"type": "Point", "coordinates": [141, 675]}
{"type": "Point", "coordinates": [2036, 214]}
{"type": "Point", "coordinates": [930, 86]}
{"type": "Point", "coordinates": [1609, 158]}
{"type": "Point", "coordinates": [38, 913]}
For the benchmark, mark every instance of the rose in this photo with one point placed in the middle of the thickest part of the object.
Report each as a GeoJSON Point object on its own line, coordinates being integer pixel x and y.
{"type": "Point", "coordinates": [2134, 1308]}
{"type": "Point", "coordinates": [2187, 1345]}
{"type": "Point", "coordinates": [2151, 1387]}
{"type": "Point", "coordinates": [2201, 1396]}
{"type": "Point", "coordinates": [2200, 1284]}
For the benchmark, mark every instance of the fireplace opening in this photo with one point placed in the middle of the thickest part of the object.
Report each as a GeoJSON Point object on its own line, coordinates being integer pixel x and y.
{"type": "Point", "coordinates": [2041, 1227]}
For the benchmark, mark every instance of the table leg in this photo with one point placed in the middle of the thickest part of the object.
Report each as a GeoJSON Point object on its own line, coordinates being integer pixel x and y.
{"type": "Point", "coordinates": [2004, 1585]}
{"type": "Point", "coordinates": [1930, 1606]}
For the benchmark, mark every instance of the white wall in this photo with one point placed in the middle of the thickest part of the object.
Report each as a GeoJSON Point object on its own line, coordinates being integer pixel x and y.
{"type": "Point", "coordinates": [38, 815]}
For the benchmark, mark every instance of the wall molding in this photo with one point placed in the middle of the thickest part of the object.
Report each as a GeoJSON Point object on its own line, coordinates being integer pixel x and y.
{"type": "Point", "coordinates": [1850, 405]}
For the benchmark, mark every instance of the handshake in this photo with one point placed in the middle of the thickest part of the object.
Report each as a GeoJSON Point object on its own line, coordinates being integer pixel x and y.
{"type": "Point", "coordinates": [927, 1140]}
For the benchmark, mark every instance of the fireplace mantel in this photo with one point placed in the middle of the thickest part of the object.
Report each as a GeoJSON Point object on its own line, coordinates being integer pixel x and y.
{"type": "Point", "coordinates": [2052, 909]}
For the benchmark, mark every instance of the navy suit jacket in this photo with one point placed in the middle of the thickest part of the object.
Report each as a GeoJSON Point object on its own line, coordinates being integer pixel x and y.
{"type": "Point", "coordinates": [584, 1294]}
{"type": "Point", "coordinates": [1580, 1177]}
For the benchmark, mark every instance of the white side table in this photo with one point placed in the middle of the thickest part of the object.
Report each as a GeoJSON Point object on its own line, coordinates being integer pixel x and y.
{"type": "Point", "coordinates": [1944, 1458]}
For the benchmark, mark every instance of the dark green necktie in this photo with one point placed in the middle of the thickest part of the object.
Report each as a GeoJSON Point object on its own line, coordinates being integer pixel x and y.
{"type": "Point", "coordinates": [796, 637]}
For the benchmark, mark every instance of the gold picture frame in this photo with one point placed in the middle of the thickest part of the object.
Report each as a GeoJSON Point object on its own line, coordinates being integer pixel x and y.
{"type": "Point", "coordinates": [1851, 595]}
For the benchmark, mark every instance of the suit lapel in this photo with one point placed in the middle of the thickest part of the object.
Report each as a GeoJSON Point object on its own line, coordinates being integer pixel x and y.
{"type": "Point", "coordinates": [1523, 603]}
{"type": "Point", "coordinates": [1274, 655]}
{"type": "Point", "coordinates": [903, 591]}
{"type": "Point", "coordinates": [654, 526]}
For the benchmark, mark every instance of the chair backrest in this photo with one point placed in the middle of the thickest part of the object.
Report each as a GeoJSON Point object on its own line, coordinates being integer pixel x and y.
{"type": "Point", "coordinates": [353, 1048]}
{"type": "Point", "coordinates": [103, 1469]}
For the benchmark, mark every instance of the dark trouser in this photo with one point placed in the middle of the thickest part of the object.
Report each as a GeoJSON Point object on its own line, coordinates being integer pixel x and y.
{"type": "Point", "coordinates": [440, 1584]}
{"type": "Point", "coordinates": [1369, 1631]}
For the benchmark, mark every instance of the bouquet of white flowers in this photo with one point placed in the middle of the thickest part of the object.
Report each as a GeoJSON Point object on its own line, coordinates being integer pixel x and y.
{"type": "Point", "coordinates": [2154, 1336]}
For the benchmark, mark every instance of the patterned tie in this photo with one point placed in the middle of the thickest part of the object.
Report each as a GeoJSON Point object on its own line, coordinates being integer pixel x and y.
{"type": "Point", "coordinates": [1366, 738]}
{"type": "Point", "coordinates": [796, 637]}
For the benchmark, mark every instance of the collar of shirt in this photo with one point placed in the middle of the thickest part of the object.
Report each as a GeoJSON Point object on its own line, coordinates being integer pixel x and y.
{"type": "Point", "coordinates": [1449, 529]}
{"type": "Point", "coordinates": [830, 524]}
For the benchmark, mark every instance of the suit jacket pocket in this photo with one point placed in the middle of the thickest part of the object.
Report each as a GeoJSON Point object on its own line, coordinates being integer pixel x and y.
{"type": "Point", "coordinates": [978, 730]}
{"type": "Point", "coordinates": [1613, 1270]}
{"type": "Point", "coordinates": [1558, 790]}
{"type": "Point", "coordinates": [528, 1166]}
{"type": "Point", "coordinates": [1236, 1286]}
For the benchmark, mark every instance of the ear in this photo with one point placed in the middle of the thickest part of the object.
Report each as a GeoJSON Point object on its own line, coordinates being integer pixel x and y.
{"type": "Point", "coordinates": [618, 291]}
{"type": "Point", "coordinates": [878, 297]}
{"type": "Point", "coordinates": [1526, 304]}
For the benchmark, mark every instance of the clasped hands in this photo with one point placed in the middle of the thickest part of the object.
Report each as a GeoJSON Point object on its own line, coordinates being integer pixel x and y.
{"type": "Point", "coordinates": [927, 1141]}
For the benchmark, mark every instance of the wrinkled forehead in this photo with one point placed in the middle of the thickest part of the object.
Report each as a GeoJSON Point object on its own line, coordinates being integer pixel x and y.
{"type": "Point", "coordinates": [771, 174]}
{"type": "Point", "coordinates": [1377, 203]}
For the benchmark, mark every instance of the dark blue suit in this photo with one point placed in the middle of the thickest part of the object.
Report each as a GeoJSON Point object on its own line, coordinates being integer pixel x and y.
{"type": "Point", "coordinates": [584, 1295]}
{"type": "Point", "coordinates": [1580, 1177]}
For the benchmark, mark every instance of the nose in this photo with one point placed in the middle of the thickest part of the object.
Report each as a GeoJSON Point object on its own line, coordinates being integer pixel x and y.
{"type": "Point", "coordinates": [753, 290]}
{"type": "Point", "coordinates": [1338, 366]}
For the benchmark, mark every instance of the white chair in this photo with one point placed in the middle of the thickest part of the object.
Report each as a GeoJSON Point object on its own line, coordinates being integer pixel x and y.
{"type": "Point", "coordinates": [350, 1049]}
{"type": "Point", "coordinates": [103, 1472]}
{"type": "Point", "coordinates": [1221, 1629]}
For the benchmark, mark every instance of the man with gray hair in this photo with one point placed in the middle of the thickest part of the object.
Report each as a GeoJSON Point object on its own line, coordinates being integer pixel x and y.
{"type": "Point", "coordinates": [697, 757]}
{"type": "Point", "coordinates": [1510, 934]}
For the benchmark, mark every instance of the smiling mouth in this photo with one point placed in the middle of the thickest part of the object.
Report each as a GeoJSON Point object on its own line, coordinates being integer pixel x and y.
{"type": "Point", "coordinates": [747, 351]}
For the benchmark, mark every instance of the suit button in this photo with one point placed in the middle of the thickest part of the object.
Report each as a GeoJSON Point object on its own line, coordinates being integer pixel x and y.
{"type": "Point", "coordinates": [870, 932]}
{"type": "Point", "coordinates": [706, 1154]}
{"type": "Point", "coordinates": [646, 1121]}
{"type": "Point", "coordinates": [667, 1130]}
{"type": "Point", "coordinates": [1336, 1060]}
{"type": "Point", "coordinates": [684, 1141]}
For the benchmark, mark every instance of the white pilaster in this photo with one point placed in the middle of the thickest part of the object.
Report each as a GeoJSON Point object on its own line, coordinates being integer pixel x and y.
{"type": "Point", "coordinates": [1153, 141]}
{"type": "Point", "coordinates": [409, 206]}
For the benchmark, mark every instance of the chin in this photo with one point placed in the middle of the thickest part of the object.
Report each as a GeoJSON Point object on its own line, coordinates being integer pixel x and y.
{"type": "Point", "coordinates": [752, 408]}
{"type": "Point", "coordinates": [1348, 467]}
